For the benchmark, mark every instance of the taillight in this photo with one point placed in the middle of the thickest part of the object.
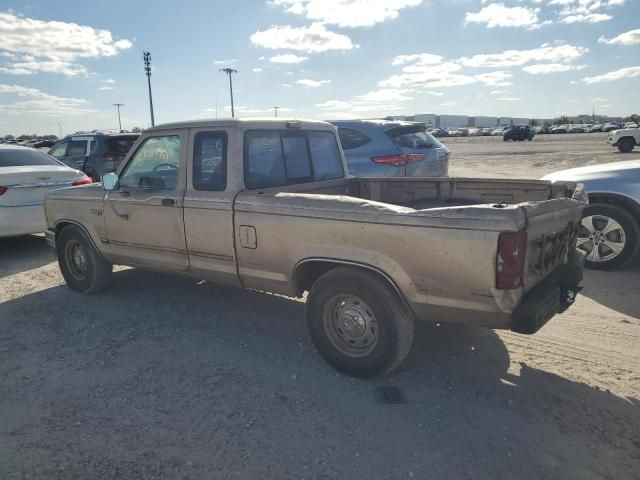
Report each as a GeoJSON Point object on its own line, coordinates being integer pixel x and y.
{"type": "Point", "coordinates": [399, 160]}
{"type": "Point", "coordinates": [2, 190]}
{"type": "Point", "coordinates": [512, 249]}
{"type": "Point", "coordinates": [82, 181]}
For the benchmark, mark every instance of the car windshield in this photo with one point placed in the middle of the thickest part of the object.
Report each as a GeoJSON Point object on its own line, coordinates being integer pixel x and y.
{"type": "Point", "coordinates": [18, 157]}
{"type": "Point", "coordinates": [119, 146]}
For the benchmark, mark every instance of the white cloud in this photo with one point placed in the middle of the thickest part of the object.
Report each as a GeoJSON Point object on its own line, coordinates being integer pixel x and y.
{"type": "Point", "coordinates": [628, 72]}
{"type": "Point", "coordinates": [381, 102]}
{"type": "Point", "coordinates": [498, 15]}
{"type": "Point", "coordinates": [347, 13]}
{"type": "Point", "coordinates": [516, 58]}
{"type": "Point", "coordinates": [288, 58]}
{"type": "Point", "coordinates": [495, 79]}
{"type": "Point", "coordinates": [32, 101]}
{"type": "Point", "coordinates": [109, 81]}
{"type": "Point", "coordinates": [508, 99]}
{"type": "Point", "coordinates": [256, 69]}
{"type": "Point", "coordinates": [312, 39]}
{"type": "Point", "coordinates": [225, 61]}
{"type": "Point", "coordinates": [585, 11]}
{"type": "Point", "coordinates": [418, 59]}
{"type": "Point", "coordinates": [105, 87]}
{"type": "Point", "coordinates": [543, 68]}
{"type": "Point", "coordinates": [312, 83]}
{"type": "Point", "coordinates": [631, 37]}
{"type": "Point", "coordinates": [435, 94]}
{"type": "Point", "coordinates": [52, 46]}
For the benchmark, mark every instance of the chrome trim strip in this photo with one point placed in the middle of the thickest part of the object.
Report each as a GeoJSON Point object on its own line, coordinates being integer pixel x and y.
{"type": "Point", "coordinates": [55, 183]}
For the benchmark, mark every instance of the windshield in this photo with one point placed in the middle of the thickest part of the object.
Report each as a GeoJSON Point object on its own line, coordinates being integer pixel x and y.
{"type": "Point", "coordinates": [18, 157]}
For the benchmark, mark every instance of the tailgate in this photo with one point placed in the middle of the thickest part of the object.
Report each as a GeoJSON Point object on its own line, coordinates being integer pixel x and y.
{"type": "Point", "coordinates": [552, 231]}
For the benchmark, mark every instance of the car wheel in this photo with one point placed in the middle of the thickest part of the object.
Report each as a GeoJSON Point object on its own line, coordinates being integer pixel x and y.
{"type": "Point", "coordinates": [358, 323]}
{"type": "Point", "coordinates": [83, 268]}
{"type": "Point", "coordinates": [626, 144]}
{"type": "Point", "coordinates": [608, 235]}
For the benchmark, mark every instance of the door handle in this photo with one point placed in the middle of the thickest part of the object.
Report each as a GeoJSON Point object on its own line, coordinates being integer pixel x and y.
{"type": "Point", "coordinates": [168, 202]}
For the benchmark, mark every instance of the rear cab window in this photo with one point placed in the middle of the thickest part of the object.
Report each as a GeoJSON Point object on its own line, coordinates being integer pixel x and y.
{"type": "Point", "coordinates": [275, 158]}
{"type": "Point", "coordinates": [116, 148]}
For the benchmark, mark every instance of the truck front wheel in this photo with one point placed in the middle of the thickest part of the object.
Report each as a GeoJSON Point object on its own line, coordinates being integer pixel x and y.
{"type": "Point", "coordinates": [626, 144]}
{"type": "Point", "coordinates": [83, 268]}
{"type": "Point", "coordinates": [358, 323]}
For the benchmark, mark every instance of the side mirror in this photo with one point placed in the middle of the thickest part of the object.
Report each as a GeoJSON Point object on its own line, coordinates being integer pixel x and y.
{"type": "Point", "coordinates": [110, 181]}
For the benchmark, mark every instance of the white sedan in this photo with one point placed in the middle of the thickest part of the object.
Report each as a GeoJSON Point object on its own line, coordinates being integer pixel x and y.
{"type": "Point", "coordinates": [26, 175]}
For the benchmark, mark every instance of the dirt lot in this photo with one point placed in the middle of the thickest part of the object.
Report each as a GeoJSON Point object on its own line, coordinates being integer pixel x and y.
{"type": "Point", "coordinates": [165, 377]}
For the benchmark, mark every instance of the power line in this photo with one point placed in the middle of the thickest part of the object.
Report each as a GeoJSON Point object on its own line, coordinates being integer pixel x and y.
{"type": "Point", "coordinates": [275, 110]}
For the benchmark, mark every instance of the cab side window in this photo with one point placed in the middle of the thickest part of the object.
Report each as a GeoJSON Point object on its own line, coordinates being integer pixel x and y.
{"type": "Point", "coordinates": [210, 161]}
{"type": "Point", "coordinates": [77, 148]}
{"type": "Point", "coordinates": [59, 149]}
{"type": "Point", "coordinates": [154, 165]}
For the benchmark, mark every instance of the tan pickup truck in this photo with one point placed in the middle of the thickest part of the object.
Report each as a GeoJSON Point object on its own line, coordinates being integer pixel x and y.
{"type": "Point", "coordinates": [269, 205]}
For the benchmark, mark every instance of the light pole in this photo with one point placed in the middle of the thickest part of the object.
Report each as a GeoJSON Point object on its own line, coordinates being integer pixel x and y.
{"type": "Point", "coordinates": [275, 110]}
{"type": "Point", "coordinates": [147, 69]}
{"type": "Point", "coordinates": [118, 105]}
{"type": "Point", "coordinates": [230, 71]}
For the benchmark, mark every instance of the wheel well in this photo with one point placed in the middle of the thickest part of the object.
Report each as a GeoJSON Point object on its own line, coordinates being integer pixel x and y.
{"type": "Point", "coordinates": [308, 271]}
{"type": "Point", "coordinates": [60, 225]}
{"type": "Point", "coordinates": [630, 206]}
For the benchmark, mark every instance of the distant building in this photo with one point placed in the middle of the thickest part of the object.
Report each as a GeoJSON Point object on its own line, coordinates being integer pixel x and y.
{"type": "Point", "coordinates": [483, 122]}
{"type": "Point", "coordinates": [452, 121]}
{"type": "Point", "coordinates": [429, 119]}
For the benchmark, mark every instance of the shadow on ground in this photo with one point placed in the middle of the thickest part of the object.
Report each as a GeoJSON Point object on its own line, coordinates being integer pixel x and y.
{"type": "Point", "coordinates": [164, 377]}
{"type": "Point", "coordinates": [617, 289]}
{"type": "Point", "coordinates": [18, 254]}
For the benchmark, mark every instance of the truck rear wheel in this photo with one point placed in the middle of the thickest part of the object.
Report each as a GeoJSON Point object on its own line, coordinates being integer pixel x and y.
{"type": "Point", "coordinates": [83, 268]}
{"type": "Point", "coordinates": [626, 144]}
{"type": "Point", "coordinates": [358, 323]}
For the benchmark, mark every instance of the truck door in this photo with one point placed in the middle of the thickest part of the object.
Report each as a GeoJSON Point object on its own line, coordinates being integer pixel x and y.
{"type": "Point", "coordinates": [144, 216]}
{"type": "Point", "coordinates": [208, 207]}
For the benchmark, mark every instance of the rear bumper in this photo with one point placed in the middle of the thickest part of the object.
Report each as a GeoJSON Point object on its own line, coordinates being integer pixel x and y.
{"type": "Point", "coordinates": [552, 296]}
{"type": "Point", "coordinates": [22, 220]}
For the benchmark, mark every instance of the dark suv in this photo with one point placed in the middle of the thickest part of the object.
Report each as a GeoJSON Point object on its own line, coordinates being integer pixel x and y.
{"type": "Point", "coordinates": [518, 133]}
{"type": "Point", "coordinates": [95, 153]}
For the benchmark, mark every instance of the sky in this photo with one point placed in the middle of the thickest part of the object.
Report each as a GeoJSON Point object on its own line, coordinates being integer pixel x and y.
{"type": "Point", "coordinates": [64, 64]}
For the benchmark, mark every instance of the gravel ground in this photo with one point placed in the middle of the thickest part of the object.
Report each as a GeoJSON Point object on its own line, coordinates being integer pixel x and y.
{"type": "Point", "coordinates": [163, 377]}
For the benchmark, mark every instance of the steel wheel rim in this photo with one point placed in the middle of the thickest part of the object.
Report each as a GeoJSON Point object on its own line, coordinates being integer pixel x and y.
{"type": "Point", "coordinates": [602, 238]}
{"type": "Point", "coordinates": [76, 259]}
{"type": "Point", "coordinates": [350, 325]}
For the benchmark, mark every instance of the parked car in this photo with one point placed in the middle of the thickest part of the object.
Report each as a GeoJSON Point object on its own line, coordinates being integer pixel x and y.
{"type": "Point", "coordinates": [577, 129]}
{"type": "Point", "coordinates": [45, 143]}
{"type": "Point", "coordinates": [439, 132]}
{"type": "Point", "coordinates": [498, 132]}
{"type": "Point", "coordinates": [625, 139]}
{"type": "Point", "coordinates": [560, 129]}
{"type": "Point", "coordinates": [95, 153]}
{"type": "Point", "coordinates": [26, 175]}
{"type": "Point", "coordinates": [610, 232]}
{"type": "Point", "coordinates": [486, 132]}
{"type": "Point", "coordinates": [383, 148]}
{"type": "Point", "coordinates": [518, 133]}
{"type": "Point", "coordinates": [595, 128]}
{"type": "Point", "coordinates": [607, 127]}
{"type": "Point", "coordinates": [268, 205]}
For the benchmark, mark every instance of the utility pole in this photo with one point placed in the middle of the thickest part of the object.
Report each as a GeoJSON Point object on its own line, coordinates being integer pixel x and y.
{"type": "Point", "coordinates": [230, 71]}
{"type": "Point", "coordinates": [118, 105]}
{"type": "Point", "coordinates": [275, 110]}
{"type": "Point", "coordinates": [60, 129]}
{"type": "Point", "coordinates": [147, 69]}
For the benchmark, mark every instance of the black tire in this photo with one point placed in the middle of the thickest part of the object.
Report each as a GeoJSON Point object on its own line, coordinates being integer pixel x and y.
{"type": "Point", "coordinates": [83, 268]}
{"type": "Point", "coordinates": [626, 144]}
{"type": "Point", "coordinates": [631, 232]}
{"type": "Point", "coordinates": [380, 306]}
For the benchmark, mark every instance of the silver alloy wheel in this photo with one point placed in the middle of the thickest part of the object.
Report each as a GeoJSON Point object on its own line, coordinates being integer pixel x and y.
{"type": "Point", "coordinates": [602, 238]}
{"type": "Point", "coordinates": [350, 325]}
{"type": "Point", "coordinates": [76, 259]}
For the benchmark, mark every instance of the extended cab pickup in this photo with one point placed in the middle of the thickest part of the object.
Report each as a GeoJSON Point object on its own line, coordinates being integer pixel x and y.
{"type": "Point", "coordinates": [269, 205]}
